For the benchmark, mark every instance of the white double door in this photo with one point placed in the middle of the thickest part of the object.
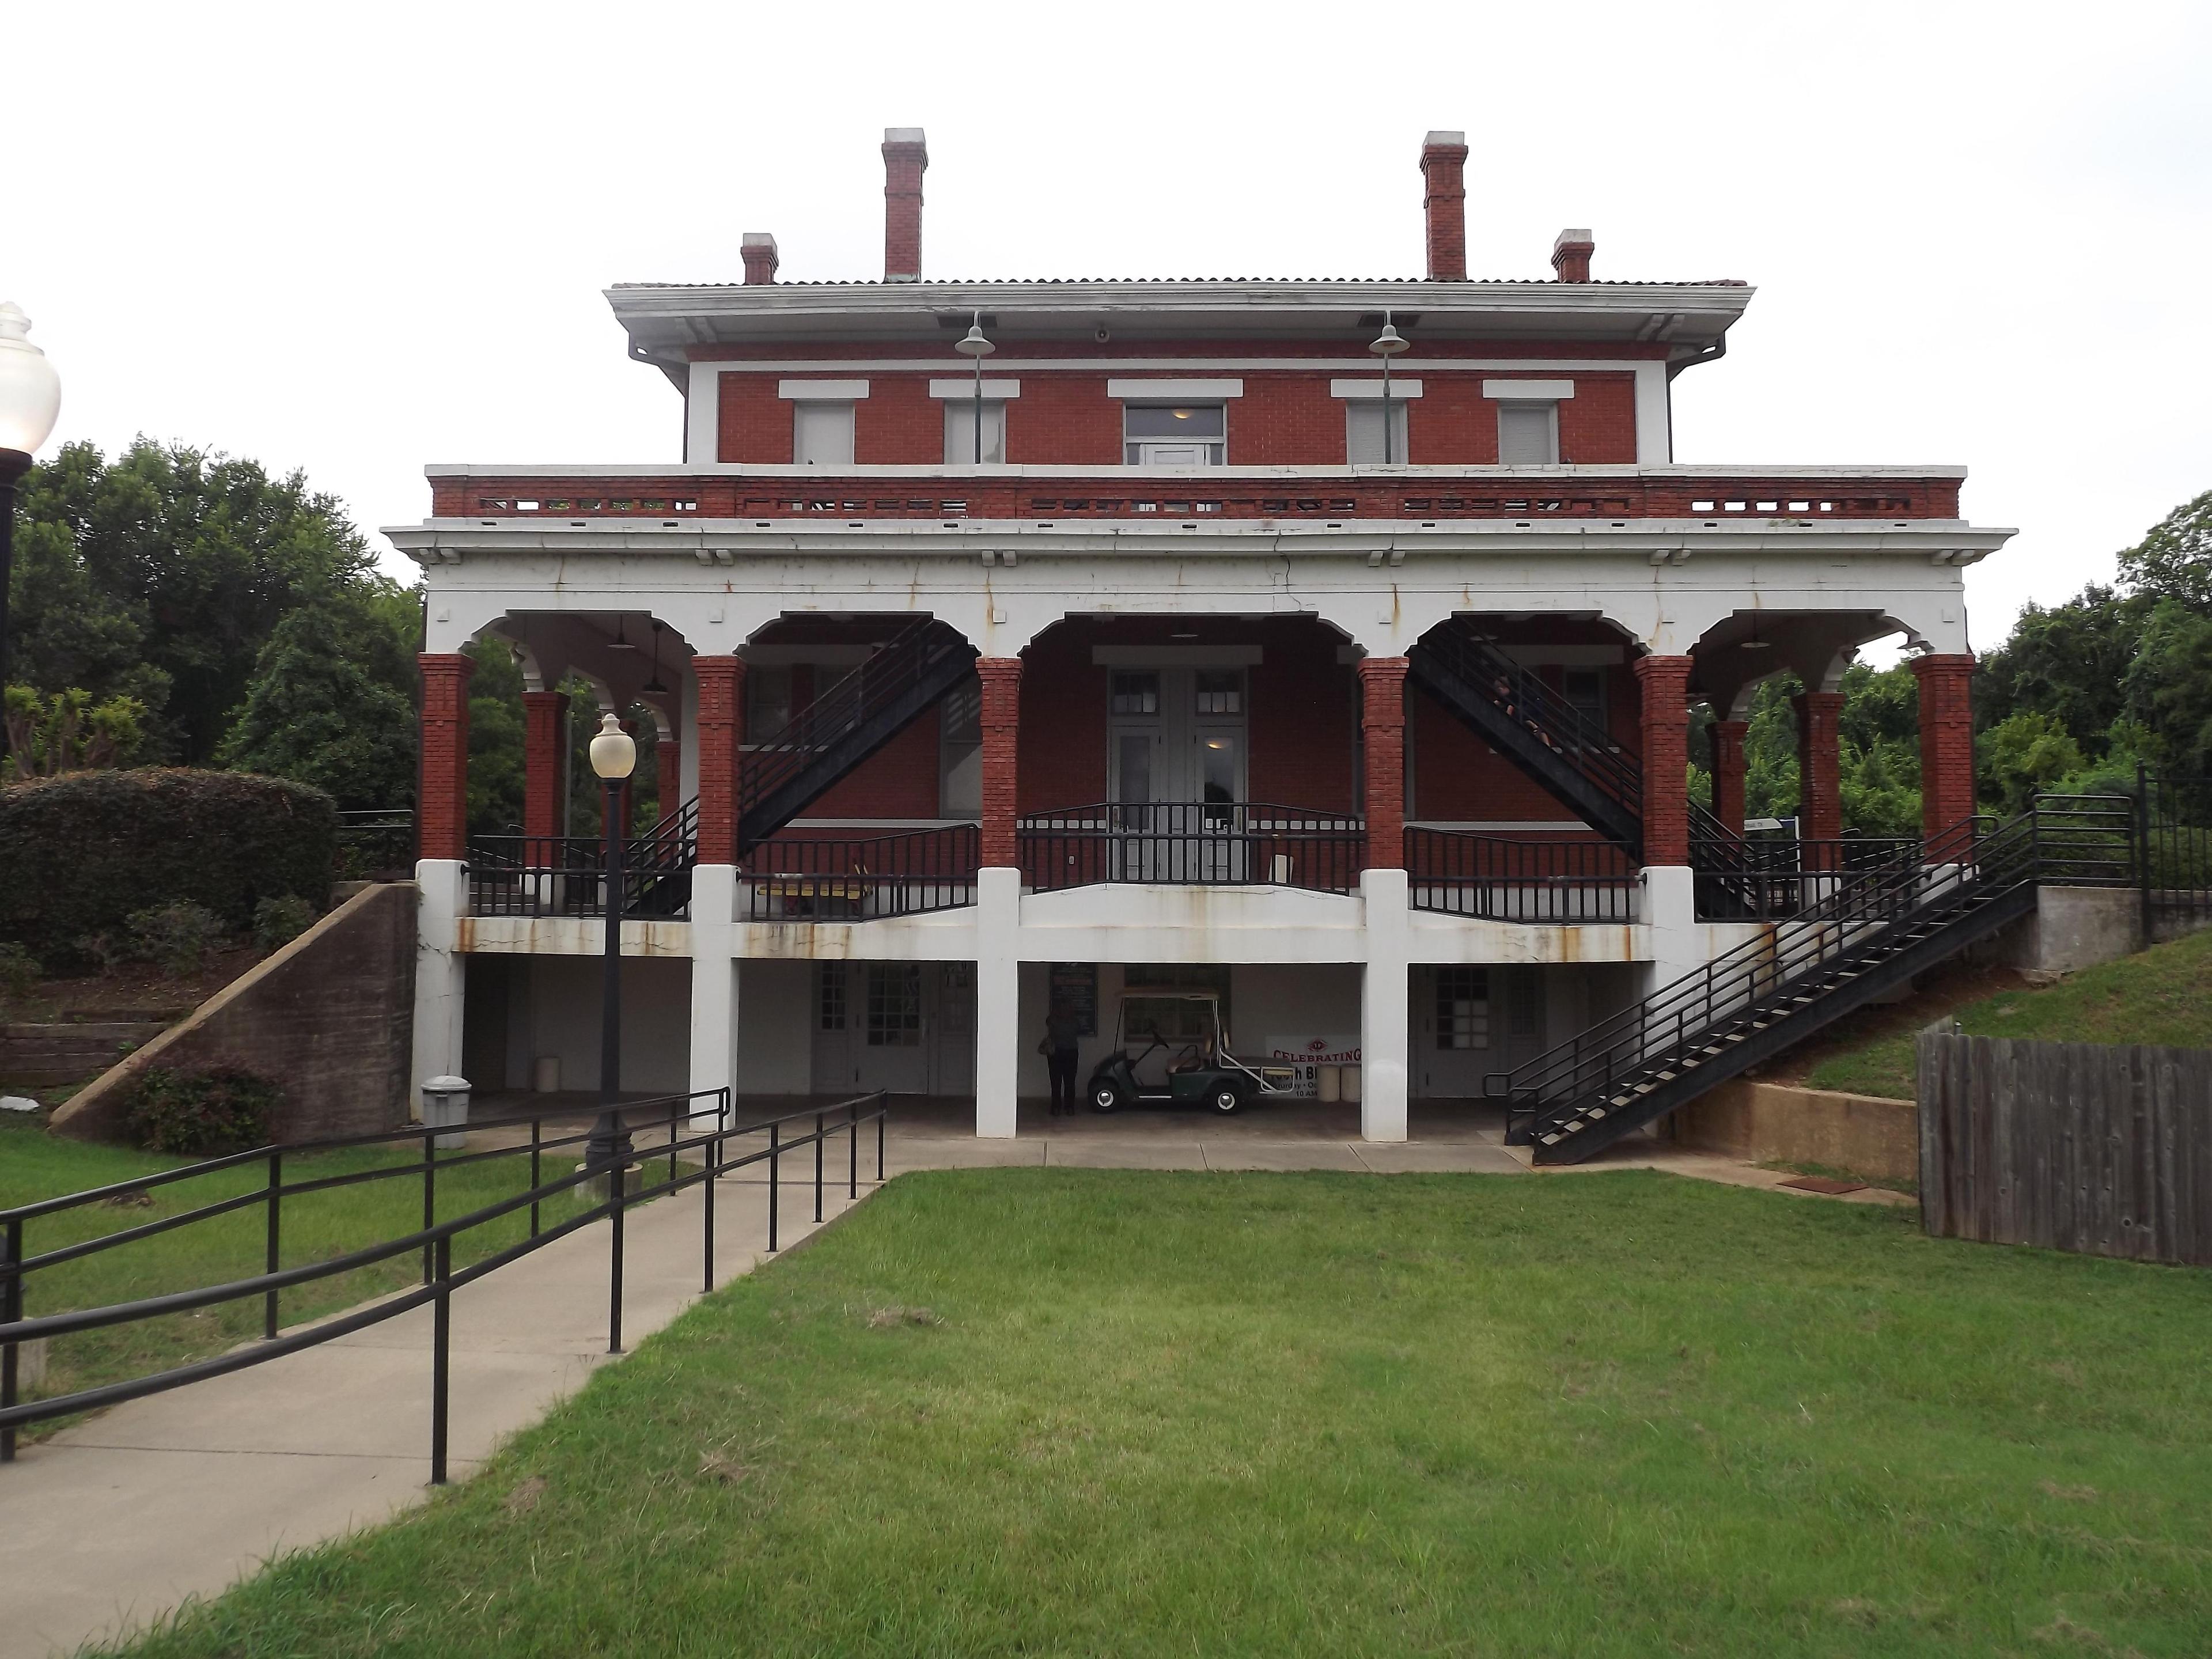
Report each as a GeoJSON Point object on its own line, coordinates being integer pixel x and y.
{"type": "Point", "coordinates": [1176, 755]}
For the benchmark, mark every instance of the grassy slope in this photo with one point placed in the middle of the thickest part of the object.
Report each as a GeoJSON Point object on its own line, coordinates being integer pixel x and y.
{"type": "Point", "coordinates": [35, 1165]}
{"type": "Point", "coordinates": [2162, 995]}
{"type": "Point", "coordinates": [1599, 1415]}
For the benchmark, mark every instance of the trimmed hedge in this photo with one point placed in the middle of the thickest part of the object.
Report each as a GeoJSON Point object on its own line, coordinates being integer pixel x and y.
{"type": "Point", "coordinates": [83, 851]}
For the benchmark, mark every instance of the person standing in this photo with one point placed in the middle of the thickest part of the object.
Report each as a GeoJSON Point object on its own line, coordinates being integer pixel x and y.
{"type": "Point", "coordinates": [1061, 1029]}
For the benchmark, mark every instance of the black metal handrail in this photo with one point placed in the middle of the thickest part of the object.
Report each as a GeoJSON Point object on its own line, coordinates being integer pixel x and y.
{"type": "Point", "coordinates": [1743, 879]}
{"type": "Point", "coordinates": [2063, 839]}
{"type": "Point", "coordinates": [434, 1239]}
{"type": "Point", "coordinates": [566, 875]}
{"type": "Point", "coordinates": [371, 840]}
{"type": "Point", "coordinates": [1192, 843]}
{"type": "Point", "coordinates": [855, 877]}
{"type": "Point", "coordinates": [1610, 763]}
{"type": "Point", "coordinates": [1497, 879]}
{"type": "Point", "coordinates": [895, 670]}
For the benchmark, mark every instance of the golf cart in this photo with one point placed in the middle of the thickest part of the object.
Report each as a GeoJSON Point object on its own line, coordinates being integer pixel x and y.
{"type": "Point", "coordinates": [1189, 1064]}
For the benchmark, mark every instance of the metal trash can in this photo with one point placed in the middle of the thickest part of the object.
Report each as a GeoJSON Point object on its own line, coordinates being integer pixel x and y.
{"type": "Point", "coordinates": [446, 1103]}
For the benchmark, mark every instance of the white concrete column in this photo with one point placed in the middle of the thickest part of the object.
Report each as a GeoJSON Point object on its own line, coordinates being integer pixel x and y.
{"type": "Point", "coordinates": [1670, 911]}
{"type": "Point", "coordinates": [998, 1000]}
{"type": "Point", "coordinates": [1384, 1014]}
{"type": "Point", "coordinates": [439, 969]}
{"type": "Point", "coordinates": [714, 978]}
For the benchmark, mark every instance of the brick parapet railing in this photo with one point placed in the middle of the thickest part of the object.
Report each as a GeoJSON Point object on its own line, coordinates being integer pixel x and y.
{"type": "Point", "coordinates": [1569, 493]}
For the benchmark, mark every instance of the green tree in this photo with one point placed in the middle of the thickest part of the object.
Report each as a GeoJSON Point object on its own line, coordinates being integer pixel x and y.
{"type": "Point", "coordinates": [314, 713]}
{"type": "Point", "coordinates": [2020, 755]}
{"type": "Point", "coordinates": [2169, 687]}
{"type": "Point", "coordinates": [67, 733]}
{"type": "Point", "coordinates": [496, 740]}
{"type": "Point", "coordinates": [162, 573]}
{"type": "Point", "coordinates": [2173, 561]}
{"type": "Point", "coordinates": [2068, 662]}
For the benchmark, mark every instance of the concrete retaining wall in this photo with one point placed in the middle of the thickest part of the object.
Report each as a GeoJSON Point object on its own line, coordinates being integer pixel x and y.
{"type": "Point", "coordinates": [327, 1018]}
{"type": "Point", "coordinates": [1773, 1123]}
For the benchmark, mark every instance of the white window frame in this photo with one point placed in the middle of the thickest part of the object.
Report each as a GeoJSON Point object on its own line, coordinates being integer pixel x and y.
{"type": "Point", "coordinates": [1519, 406]}
{"type": "Point", "coordinates": [1218, 446]}
{"type": "Point", "coordinates": [960, 432]}
{"type": "Point", "coordinates": [1355, 411]}
{"type": "Point", "coordinates": [819, 412]}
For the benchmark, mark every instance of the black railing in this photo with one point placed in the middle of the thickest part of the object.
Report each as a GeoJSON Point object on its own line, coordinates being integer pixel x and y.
{"type": "Point", "coordinates": [375, 842]}
{"type": "Point", "coordinates": [1193, 843]}
{"type": "Point", "coordinates": [1757, 880]}
{"type": "Point", "coordinates": [2175, 837]}
{"type": "Point", "coordinates": [2066, 839]}
{"type": "Point", "coordinates": [713, 1155]}
{"type": "Point", "coordinates": [1497, 879]}
{"type": "Point", "coordinates": [566, 875]}
{"type": "Point", "coordinates": [856, 878]}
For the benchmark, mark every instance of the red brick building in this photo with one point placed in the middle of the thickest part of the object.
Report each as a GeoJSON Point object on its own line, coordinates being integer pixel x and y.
{"type": "Point", "coordinates": [1327, 644]}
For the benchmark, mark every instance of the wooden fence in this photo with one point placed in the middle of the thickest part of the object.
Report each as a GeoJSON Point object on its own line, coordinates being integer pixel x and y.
{"type": "Point", "coordinates": [2071, 1145]}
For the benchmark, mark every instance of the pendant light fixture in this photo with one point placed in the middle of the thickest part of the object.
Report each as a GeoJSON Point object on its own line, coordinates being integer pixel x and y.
{"type": "Point", "coordinates": [621, 641]}
{"type": "Point", "coordinates": [652, 687]}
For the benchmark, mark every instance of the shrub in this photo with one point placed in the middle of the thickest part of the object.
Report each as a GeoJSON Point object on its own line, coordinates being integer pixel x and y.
{"type": "Point", "coordinates": [205, 1113]}
{"type": "Point", "coordinates": [85, 852]}
{"type": "Point", "coordinates": [278, 921]}
{"type": "Point", "coordinates": [19, 971]}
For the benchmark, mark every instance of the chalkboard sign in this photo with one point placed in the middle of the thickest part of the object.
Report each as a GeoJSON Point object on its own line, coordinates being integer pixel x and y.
{"type": "Point", "coordinates": [1076, 984]}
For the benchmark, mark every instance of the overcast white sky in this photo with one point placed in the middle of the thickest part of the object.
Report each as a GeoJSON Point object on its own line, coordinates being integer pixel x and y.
{"type": "Point", "coordinates": [356, 239]}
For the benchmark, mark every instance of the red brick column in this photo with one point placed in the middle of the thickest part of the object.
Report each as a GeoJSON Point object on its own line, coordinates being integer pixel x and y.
{"type": "Point", "coordinates": [1947, 740]}
{"type": "Point", "coordinates": [1383, 740]}
{"type": "Point", "coordinates": [441, 813]}
{"type": "Point", "coordinates": [722, 726]}
{"type": "Point", "coordinates": [545, 734]}
{"type": "Point", "coordinates": [1665, 682]}
{"type": "Point", "coordinates": [1727, 772]}
{"type": "Point", "coordinates": [1001, 723]}
{"type": "Point", "coordinates": [1820, 766]}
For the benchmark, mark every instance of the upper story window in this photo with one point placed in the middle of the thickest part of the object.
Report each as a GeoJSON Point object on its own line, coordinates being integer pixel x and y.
{"type": "Point", "coordinates": [822, 419]}
{"type": "Point", "coordinates": [1363, 430]}
{"type": "Point", "coordinates": [1175, 435]}
{"type": "Point", "coordinates": [1527, 434]}
{"type": "Point", "coordinates": [958, 394]}
{"type": "Point", "coordinates": [1528, 419]}
{"type": "Point", "coordinates": [821, 434]}
{"type": "Point", "coordinates": [960, 433]}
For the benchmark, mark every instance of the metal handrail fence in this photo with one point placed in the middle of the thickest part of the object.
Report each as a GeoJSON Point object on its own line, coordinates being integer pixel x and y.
{"type": "Point", "coordinates": [2175, 838]}
{"type": "Point", "coordinates": [374, 840]}
{"type": "Point", "coordinates": [566, 875]}
{"type": "Point", "coordinates": [1742, 879]}
{"type": "Point", "coordinates": [1492, 879]}
{"type": "Point", "coordinates": [2070, 838]}
{"type": "Point", "coordinates": [434, 1239]}
{"type": "Point", "coordinates": [1192, 843]}
{"type": "Point", "coordinates": [830, 877]}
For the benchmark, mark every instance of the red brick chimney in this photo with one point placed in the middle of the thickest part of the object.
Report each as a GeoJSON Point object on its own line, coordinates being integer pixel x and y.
{"type": "Point", "coordinates": [906, 157]}
{"type": "Point", "coordinates": [1444, 171]}
{"type": "Point", "coordinates": [1570, 255]}
{"type": "Point", "coordinates": [759, 250]}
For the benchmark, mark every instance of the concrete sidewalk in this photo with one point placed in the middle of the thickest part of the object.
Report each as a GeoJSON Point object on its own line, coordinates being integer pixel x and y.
{"type": "Point", "coordinates": [121, 1518]}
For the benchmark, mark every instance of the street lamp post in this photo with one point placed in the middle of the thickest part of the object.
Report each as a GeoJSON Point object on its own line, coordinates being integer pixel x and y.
{"type": "Point", "coordinates": [30, 399]}
{"type": "Point", "coordinates": [1386, 346]}
{"type": "Point", "coordinates": [614, 756]}
{"type": "Point", "coordinates": [975, 346]}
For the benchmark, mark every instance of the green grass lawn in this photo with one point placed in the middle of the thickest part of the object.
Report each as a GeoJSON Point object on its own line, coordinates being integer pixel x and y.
{"type": "Point", "coordinates": [1048, 1411]}
{"type": "Point", "coordinates": [2161, 996]}
{"type": "Point", "coordinates": [35, 1165]}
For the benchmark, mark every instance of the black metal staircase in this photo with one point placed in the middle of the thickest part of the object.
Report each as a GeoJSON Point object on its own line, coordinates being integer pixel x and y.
{"type": "Point", "coordinates": [1860, 934]}
{"type": "Point", "coordinates": [1578, 760]}
{"type": "Point", "coordinates": [845, 724]}
{"type": "Point", "coordinates": [1560, 748]}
